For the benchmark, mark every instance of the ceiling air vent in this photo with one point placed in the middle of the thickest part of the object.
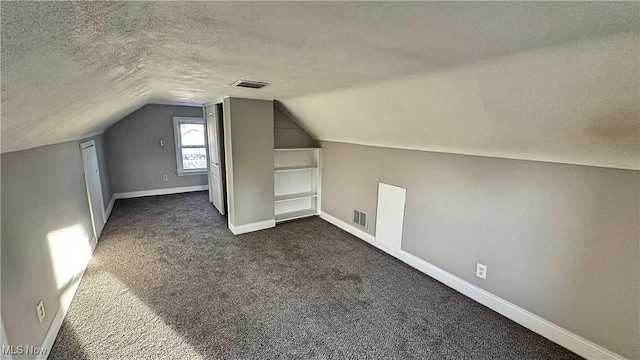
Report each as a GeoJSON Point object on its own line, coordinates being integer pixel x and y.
{"type": "Point", "coordinates": [251, 84]}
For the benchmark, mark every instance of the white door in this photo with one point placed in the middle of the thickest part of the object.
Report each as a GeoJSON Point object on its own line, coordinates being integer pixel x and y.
{"type": "Point", "coordinates": [390, 216]}
{"type": "Point", "coordinates": [216, 169]}
{"type": "Point", "coordinates": [94, 189]}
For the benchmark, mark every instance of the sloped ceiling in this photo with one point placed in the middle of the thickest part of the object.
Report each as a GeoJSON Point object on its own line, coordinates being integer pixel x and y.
{"type": "Point", "coordinates": [577, 104]}
{"type": "Point", "coordinates": [71, 69]}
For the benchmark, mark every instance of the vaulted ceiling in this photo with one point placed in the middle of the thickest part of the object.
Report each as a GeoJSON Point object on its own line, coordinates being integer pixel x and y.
{"type": "Point", "coordinates": [426, 76]}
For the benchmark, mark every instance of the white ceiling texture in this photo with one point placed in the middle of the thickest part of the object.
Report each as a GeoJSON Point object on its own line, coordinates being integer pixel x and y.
{"type": "Point", "coordinates": [553, 81]}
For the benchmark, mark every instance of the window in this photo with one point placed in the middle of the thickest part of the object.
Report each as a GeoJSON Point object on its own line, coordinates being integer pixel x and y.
{"type": "Point", "coordinates": [191, 153]}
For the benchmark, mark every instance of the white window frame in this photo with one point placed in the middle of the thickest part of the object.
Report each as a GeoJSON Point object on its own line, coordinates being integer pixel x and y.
{"type": "Point", "coordinates": [177, 120]}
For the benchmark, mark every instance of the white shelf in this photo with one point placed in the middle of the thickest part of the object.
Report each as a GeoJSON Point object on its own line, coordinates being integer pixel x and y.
{"type": "Point", "coordinates": [296, 183]}
{"type": "Point", "coordinates": [303, 195]}
{"type": "Point", "coordinates": [295, 215]}
{"type": "Point", "coordinates": [294, 168]}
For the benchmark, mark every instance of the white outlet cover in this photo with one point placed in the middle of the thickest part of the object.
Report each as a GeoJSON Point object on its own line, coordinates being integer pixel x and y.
{"type": "Point", "coordinates": [481, 271]}
{"type": "Point", "coordinates": [40, 311]}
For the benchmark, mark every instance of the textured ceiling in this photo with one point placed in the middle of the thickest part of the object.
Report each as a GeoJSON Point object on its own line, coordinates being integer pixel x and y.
{"type": "Point", "coordinates": [576, 103]}
{"type": "Point", "coordinates": [70, 69]}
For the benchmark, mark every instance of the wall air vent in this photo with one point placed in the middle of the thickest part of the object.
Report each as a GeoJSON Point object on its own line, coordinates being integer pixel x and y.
{"type": "Point", "coordinates": [360, 218]}
{"type": "Point", "coordinates": [251, 84]}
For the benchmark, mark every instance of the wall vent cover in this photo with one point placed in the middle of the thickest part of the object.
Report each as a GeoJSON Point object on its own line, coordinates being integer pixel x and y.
{"type": "Point", "coordinates": [360, 218]}
{"type": "Point", "coordinates": [251, 84]}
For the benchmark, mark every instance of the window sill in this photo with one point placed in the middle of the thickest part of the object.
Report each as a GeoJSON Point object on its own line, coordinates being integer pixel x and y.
{"type": "Point", "coordinates": [189, 173]}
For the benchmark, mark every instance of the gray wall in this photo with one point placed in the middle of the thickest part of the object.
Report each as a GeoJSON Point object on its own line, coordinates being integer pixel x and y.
{"type": "Point", "coordinates": [561, 241]}
{"type": "Point", "coordinates": [286, 133]}
{"type": "Point", "coordinates": [248, 130]}
{"type": "Point", "coordinates": [137, 162]}
{"type": "Point", "coordinates": [43, 190]}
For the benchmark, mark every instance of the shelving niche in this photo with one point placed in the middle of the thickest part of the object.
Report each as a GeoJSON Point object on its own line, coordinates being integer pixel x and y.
{"type": "Point", "coordinates": [296, 183]}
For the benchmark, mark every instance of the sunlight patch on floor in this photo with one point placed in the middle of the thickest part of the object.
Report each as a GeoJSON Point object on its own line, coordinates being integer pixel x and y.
{"type": "Point", "coordinates": [116, 316]}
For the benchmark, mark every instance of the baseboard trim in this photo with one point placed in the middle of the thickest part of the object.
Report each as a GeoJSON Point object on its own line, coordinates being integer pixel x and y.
{"type": "Point", "coordinates": [348, 228]}
{"type": "Point", "coordinates": [54, 328]}
{"type": "Point", "coordinates": [92, 244]}
{"type": "Point", "coordinates": [535, 323]}
{"type": "Point", "coordinates": [107, 213]}
{"type": "Point", "coordinates": [370, 239]}
{"type": "Point", "coordinates": [167, 191]}
{"type": "Point", "coordinates": [261, 225]}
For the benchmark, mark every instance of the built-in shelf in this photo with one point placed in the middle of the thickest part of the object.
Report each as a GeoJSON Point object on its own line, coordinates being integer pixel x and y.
{"type": "Point", "coordinates": [295, 215]}
{"type": "Point", "coordinates": [296, 183]}
{"type": "Point", "coordinates": [296, 196]}
{"type": "Point", "coordinates": [294, 168]}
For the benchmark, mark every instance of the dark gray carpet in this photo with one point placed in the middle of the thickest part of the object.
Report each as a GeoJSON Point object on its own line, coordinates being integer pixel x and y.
{"type": "Point", "coordinates": [169, 280]}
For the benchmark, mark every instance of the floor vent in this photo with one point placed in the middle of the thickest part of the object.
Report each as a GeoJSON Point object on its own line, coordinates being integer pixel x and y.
{"type": "Point", "coordinates": [360, 218]}
{"type": "Point", "coordinates": [251, 84]}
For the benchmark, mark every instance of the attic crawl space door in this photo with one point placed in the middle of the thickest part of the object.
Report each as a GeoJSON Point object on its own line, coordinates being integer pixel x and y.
{"type": "Point", "coordinates": [390, 216]}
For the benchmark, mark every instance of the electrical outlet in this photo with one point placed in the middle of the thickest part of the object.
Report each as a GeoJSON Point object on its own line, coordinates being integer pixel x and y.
{"type": "Point", "coordinates": [165, 178]}
{"type": "Point", "coordinates": [481, 271]}
{"type": "Point", "coordinates": [40, 311]}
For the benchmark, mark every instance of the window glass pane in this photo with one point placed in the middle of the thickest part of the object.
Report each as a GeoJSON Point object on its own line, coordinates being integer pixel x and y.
{"type": "Point", "coordinates": [192, 134]}
{"type": "Point", "coordinates": [194, 158]}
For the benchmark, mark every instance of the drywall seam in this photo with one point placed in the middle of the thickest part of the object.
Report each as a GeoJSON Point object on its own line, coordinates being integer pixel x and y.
{"type": "Point", "coordinates": [535, 323]}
